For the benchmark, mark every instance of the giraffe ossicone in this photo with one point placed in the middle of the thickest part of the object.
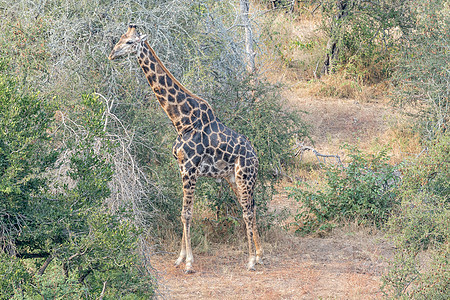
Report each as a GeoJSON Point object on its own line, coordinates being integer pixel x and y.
{"type": "Point", "coordinates": [204, 146]}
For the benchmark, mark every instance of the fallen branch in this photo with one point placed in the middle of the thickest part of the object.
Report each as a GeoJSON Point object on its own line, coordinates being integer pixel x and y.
{"type": "Point", "coordinates": [45, 265]}
{"type": "Point", "coordinates": [322, 158]}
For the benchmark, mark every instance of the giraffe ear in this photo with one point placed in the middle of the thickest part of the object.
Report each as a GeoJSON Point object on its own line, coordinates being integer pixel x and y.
{"type": "Point", "coordinates": [143, 38]}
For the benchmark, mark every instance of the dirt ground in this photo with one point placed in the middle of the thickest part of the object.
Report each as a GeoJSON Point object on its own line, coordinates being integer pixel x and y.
{"type": "Point", "coordinates": [346, 265]}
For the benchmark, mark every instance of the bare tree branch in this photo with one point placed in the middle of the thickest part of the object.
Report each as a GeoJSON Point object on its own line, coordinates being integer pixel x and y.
{"type": "Point", "coordinates": [45, 265]}
{"type": "Point", "coordinates": [245, 7]}
{"type": "Point", "coordinates": [103, 291]}
{"type": "Point", "coordinates": [300, 149]}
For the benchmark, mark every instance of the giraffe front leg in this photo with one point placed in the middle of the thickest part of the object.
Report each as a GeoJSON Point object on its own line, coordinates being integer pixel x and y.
{"type": "Point", "coordinates": [183, 248]}
{"type": "Point", "coordinates": [186, 217]}
{"type": "Point", "coordinates": [189, 256]}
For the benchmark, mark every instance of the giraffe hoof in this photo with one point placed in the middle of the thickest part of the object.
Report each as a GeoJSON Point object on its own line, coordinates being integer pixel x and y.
{"type": "Point", "coordinates": [251, 264]}
{"type": "Point", "coordinates": [178, 262]}
{"type": "Point", "coordinates": [189, 269]}
{"type": "Point", "coordinates": [259, 260]}
{"type": "Point", "coordinates": [251, 267]}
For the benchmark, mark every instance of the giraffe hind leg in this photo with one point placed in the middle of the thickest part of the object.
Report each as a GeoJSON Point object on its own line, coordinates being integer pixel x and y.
{"type": "Point", "coordinates": [245, 194]}
{"type": "Point", "coordinates": [257, 241]}
{"type": "Point", "coordinates": [253, 240]}
{"type": "Point", "coordinates": [249, 214]}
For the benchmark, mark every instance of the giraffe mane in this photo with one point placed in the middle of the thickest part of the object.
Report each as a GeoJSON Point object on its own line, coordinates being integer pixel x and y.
{"type": "Point", "coordinates": [182, 87]}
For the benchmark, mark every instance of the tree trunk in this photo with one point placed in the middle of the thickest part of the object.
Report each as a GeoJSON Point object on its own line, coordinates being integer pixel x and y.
{"type": "Point", "coordinates": [332, 45]}
{"type": "Point", "coordinates": [245, 6]}
{"type": "Point", "coordinates": [277, 3]}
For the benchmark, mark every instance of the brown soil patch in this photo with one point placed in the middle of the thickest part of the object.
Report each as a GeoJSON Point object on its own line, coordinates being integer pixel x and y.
{"type": "Point", "coordinates": [346, 266]}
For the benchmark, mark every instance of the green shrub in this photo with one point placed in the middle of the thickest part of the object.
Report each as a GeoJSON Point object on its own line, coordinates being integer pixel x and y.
{"type": "Point", "coordinates": [420, 228]}
{"type": "Point", "coordinates": [58, 237]}
{"type": "Point", "coordinates": [364, 191]}
{"type": "Point", "coordinates": [25, 154]}
{"type": "Point", "coordinates": [366, 35]}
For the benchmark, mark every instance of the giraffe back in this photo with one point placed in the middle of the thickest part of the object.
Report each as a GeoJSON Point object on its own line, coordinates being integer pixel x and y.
{"type": "Point", "coordinates": [215, 151]}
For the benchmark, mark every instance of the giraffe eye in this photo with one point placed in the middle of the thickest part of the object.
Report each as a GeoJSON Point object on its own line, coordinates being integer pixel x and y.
{"type": "Point", "coordinates": [130, 42]}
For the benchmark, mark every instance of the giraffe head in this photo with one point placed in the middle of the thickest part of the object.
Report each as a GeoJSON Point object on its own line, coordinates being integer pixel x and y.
{"type": "Point", "coordinates": [128, 43]}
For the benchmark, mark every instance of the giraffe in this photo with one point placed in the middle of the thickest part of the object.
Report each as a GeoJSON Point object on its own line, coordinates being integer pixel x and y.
{"type": "Point", "coordinates": [204, 146]}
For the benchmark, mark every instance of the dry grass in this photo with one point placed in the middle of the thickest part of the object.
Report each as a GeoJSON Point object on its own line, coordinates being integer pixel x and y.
{"type": "Point", "coordinates": [404, 140]}
{"type": "Point", "coordinates": [341, 85]}
{"type": "Point", "coordinates": [368, 122]}
{"type": "Point", "coordinates": [294, 44]}
{"type": "Point", "coordinates": [335, 121]}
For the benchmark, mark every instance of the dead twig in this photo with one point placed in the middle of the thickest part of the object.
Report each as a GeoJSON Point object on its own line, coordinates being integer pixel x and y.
{"type": "Point", "coordinates": [45, 265]}
{"type": "Point", "coordinates": [300, 148]}
{"type": "Point", "coordinates": [103, 291]}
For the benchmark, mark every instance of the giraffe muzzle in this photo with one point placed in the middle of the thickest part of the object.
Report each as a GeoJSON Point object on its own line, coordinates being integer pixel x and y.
{"type": "Point", "coordinates": [112, 55]}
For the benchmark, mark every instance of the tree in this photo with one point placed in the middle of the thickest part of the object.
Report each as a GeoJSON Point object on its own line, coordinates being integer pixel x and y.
{"type": "Point", "coordinates": [363, 35]}
{"type": "Point", "coordinates": [58, 238]}
{"type": "Point", "coordinates": [25, 154]}
{"type": "Point", "coordinates": [250, 57]}
{"type": "Point", "coordinates": [332, 50]}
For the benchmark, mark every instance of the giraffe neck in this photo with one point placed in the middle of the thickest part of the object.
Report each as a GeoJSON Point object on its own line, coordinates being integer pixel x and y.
{"type": "Point", "coordinates": [186, 110]}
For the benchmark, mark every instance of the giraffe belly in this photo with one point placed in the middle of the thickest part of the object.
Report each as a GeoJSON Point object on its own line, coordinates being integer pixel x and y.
{"type": "Point", "coordinates": [215, 168]}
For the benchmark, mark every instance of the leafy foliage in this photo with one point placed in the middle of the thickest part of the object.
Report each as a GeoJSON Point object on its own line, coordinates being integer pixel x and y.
{"type": "Point", "coordinates": [366, 35]}
{"type": "Point", "coordinates": [421, 223]}
{"type": "Point", "coordinates": [25, 153]}
{"type": "Point", "coordinates": [58, 239]}
{"type": "Point", "coordinates": [363, 191]}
